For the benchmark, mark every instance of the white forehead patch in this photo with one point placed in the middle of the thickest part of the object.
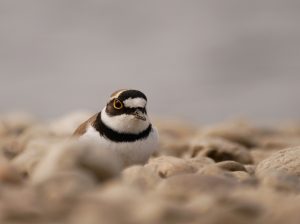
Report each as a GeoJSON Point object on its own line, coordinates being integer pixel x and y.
{"type": "Point", "coordinates": [135, 102]}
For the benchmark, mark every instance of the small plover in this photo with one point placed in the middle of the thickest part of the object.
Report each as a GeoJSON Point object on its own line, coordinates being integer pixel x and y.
{"type": "Point", "coordinates": [123, 126]}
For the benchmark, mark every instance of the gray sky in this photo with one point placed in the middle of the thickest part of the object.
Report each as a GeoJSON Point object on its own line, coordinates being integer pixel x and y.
{"type": "Point", "coordinates": [202, 60]}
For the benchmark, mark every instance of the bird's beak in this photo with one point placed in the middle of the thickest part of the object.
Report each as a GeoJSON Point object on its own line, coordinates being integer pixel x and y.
{"type": "Point", "coordinates": [139, 115]}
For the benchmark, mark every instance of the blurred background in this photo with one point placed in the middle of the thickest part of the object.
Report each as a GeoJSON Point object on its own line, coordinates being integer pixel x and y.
{"type": "Point", "coordinates": [205, 61]}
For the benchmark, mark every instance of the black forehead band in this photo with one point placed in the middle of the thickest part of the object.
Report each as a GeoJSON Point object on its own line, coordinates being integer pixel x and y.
{"type": "Point", "coordinates": [131, 94]}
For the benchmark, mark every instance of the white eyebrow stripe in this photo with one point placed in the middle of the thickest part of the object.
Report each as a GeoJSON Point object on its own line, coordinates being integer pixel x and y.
{"type": "Point", "coordinates": [135, 102]}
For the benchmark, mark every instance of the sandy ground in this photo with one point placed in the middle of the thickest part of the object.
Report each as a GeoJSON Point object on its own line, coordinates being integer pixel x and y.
{"type": "Point", "coordinates": [232, 172]}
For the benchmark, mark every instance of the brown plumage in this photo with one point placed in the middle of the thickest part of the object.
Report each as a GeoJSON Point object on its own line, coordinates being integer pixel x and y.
{"type": "Point", "coordinates": [116, 93]}
{"type": "Point", "coordinates": [82, 128]}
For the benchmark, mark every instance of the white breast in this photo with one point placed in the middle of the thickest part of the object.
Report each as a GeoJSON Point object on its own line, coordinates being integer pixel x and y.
{"type": "Point", "coordinates": [130, 153]}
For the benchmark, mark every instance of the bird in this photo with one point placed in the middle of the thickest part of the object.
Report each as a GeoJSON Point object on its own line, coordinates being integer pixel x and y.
{"type": "Point", "coordinates": [122, 126]}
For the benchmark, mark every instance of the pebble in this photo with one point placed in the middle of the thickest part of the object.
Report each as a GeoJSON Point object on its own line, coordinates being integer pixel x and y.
{"type": "Point", "coordinates": [232, 172]}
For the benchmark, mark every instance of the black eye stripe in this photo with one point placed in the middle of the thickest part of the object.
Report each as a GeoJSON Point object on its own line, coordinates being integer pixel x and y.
{"type": "Point", "coordinates": [131, 110]}
{"type": "Point", "coordinates": [112, 111]}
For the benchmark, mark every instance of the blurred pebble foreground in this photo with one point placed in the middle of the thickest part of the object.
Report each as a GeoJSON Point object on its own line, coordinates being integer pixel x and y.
{"type": "Point", "coordinates": [232, 172]}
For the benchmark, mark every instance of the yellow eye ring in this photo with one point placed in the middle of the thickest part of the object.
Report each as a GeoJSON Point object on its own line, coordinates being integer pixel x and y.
{"type": "Point", "coordinates": [118, 104]}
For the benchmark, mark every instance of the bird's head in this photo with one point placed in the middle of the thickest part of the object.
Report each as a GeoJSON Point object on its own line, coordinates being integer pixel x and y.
{"type": "Point", "coordinates": [126, 112]}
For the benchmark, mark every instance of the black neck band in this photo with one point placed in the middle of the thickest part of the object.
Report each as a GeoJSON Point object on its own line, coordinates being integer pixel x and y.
{"type": "Point", "coordinates": [115, 136]}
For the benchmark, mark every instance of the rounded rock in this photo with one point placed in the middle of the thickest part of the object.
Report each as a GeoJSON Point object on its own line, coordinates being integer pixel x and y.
{"type": "Point", "coordinates": [220, 149]}
{"type": "Point", "coordinates": [285, 162]}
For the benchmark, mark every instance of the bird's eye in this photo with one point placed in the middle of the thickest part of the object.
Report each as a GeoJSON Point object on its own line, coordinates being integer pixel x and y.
{"type": "Point", "coordinates": [118, 104]}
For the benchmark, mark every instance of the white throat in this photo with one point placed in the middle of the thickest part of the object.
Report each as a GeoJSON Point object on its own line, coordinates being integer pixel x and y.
{"type": "Point", "coordinates": [124, 123]}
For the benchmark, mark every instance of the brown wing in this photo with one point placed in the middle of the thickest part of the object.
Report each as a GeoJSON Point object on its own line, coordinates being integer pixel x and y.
{"type": "Point", "coordinates": [82, 128]}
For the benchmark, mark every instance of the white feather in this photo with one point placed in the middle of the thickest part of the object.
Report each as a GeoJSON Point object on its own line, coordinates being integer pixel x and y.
{"type": "Point", "coordinates": [135, 102]}
{"type": "Point", "coordinates": [125, 123]}
{"type": "Point", "coordinates": [130, 153]}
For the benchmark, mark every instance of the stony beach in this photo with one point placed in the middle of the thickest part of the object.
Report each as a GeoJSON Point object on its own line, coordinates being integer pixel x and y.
{"type": "Point", "coordinates": [232, 172]}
